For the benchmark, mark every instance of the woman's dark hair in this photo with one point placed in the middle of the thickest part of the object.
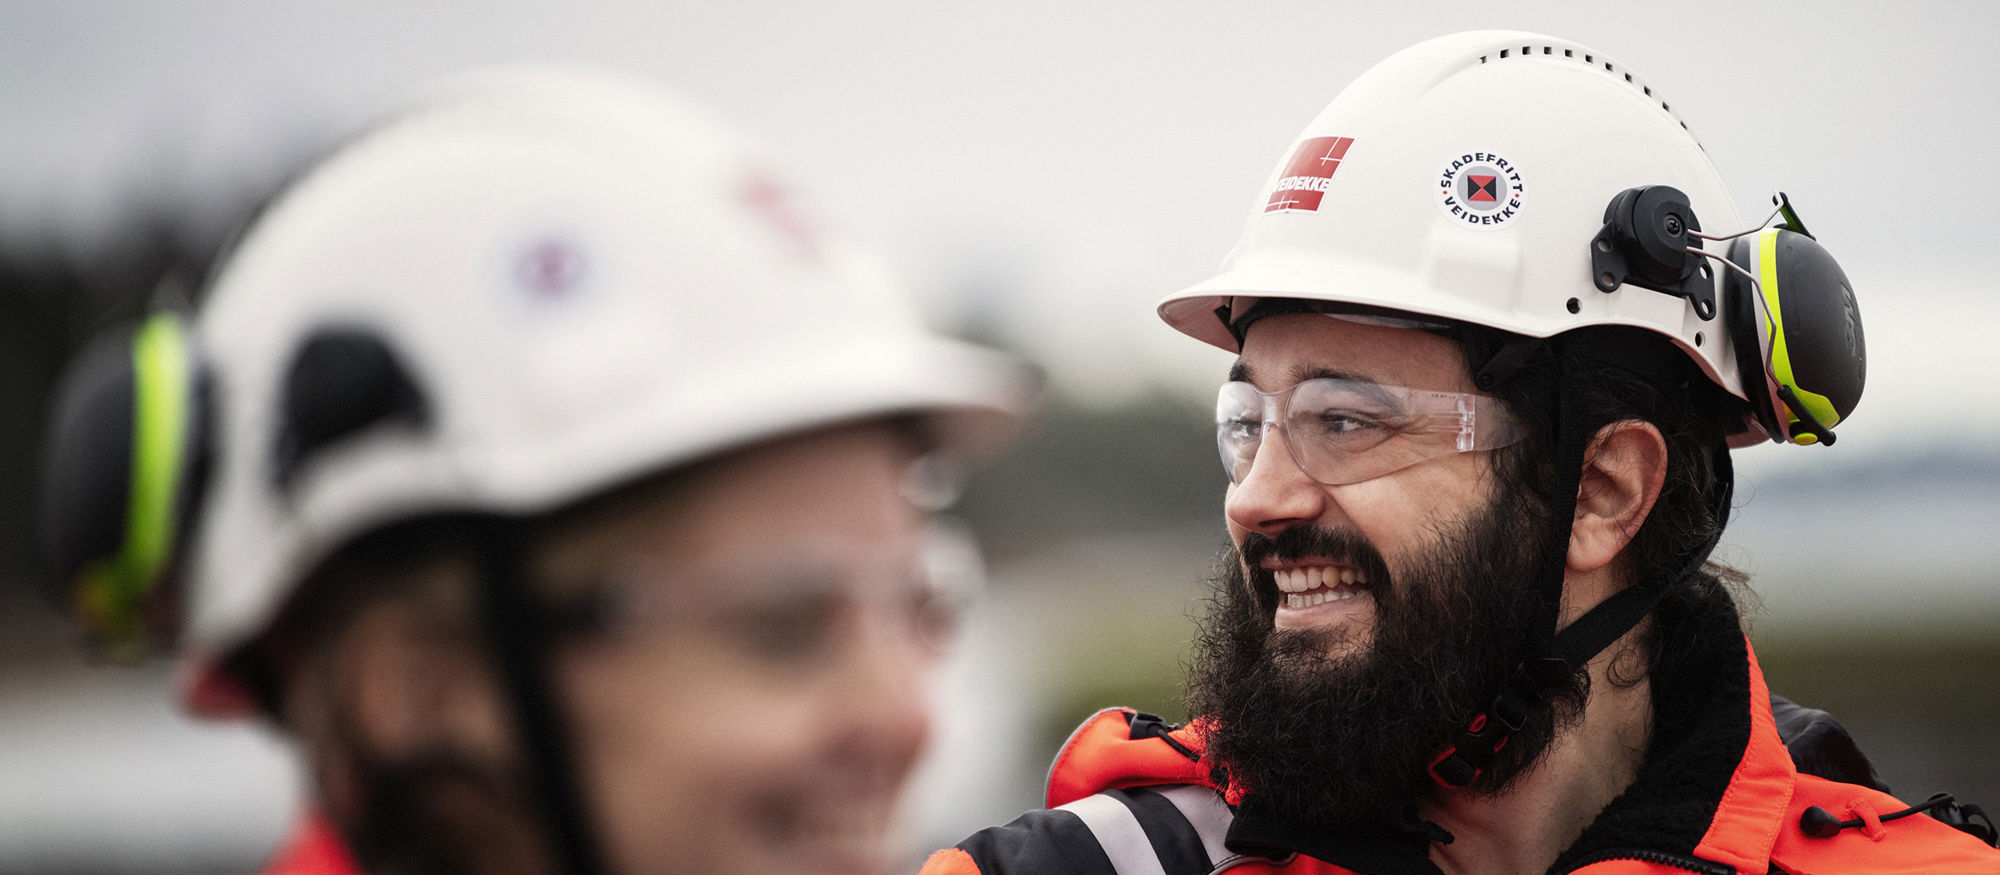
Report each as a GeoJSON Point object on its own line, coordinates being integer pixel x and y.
{"type": "Point", "coordinates": [373, 566]}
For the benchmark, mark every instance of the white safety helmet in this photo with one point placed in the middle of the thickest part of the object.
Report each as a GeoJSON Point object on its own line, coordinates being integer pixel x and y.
{"type": "Point", "coordinates": [1465, 178]}
{"type": "Point", "coordinates": [579, 281]}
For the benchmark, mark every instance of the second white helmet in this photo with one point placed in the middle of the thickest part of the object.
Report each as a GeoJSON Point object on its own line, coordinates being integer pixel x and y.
{"type": "Point", "coordinates": [577, 280]}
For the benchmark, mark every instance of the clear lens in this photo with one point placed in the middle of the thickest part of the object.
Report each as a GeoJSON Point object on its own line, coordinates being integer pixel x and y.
{"type": "Point", "coordinates": [1346, 431]}
{"type": "Point", "coordinates": [1239, 427]}
{"type": "Point", "coordinates": [791, 602]}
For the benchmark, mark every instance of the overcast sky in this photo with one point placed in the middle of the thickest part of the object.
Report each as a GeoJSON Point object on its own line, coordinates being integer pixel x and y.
{"type": "Point", "coordinates": [1058, 166]}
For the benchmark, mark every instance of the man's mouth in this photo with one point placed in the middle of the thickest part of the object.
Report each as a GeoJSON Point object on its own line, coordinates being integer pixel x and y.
{"type": "Point", "coordinates": [1307, 585]}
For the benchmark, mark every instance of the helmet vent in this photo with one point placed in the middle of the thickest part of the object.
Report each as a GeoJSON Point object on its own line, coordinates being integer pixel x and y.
{"type": "Point", "coordinates": [1609, 67]}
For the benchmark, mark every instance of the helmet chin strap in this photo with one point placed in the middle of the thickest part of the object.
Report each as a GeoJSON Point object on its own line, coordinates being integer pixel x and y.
{"type": "Point", "coordinates": [1555, 655]}
{"type": "Point", "coordinates": [519, 643]}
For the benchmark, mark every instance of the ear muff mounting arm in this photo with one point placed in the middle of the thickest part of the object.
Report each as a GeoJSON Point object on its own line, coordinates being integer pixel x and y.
{"type": "Point", "coordinates": [1782, 207]}
{"type": "Point", "coordinates": [1644, 242]}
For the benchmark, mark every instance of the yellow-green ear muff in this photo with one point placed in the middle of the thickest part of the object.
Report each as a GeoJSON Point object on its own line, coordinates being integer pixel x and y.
{"type": "Point", "coordinates": [1799, 327]}
{"type": "Point", "coordinates": [124, 448]}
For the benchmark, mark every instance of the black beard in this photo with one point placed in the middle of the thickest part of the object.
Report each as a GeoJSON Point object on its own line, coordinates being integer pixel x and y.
{"type": "Point", "coordinates": [1315, 739]}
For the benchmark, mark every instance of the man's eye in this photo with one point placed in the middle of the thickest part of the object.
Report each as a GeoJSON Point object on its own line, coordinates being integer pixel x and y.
{"type": "Point", "coordinates": [1338, 423]}
{"type": "Point", "coordinates": [1241, 428]}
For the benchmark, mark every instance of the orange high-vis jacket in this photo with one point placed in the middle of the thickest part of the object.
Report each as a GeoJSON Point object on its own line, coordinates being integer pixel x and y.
{"type": "Point", "coordinates": [1125, 796]}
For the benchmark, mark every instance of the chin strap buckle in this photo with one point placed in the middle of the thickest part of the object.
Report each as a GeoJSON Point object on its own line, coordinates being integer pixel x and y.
{"type": "Point", "coordinates": [1487, 732]}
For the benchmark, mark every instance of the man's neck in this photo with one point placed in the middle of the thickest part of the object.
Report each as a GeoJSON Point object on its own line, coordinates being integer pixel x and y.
{"type": "Point", "coordinates": [1525, 828]}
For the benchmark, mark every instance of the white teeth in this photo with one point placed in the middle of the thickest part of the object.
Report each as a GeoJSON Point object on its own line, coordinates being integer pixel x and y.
{"type": "Point", "coordinates": [1317, 585]}
{"type": "Point", "coordinates": [1299, 580]}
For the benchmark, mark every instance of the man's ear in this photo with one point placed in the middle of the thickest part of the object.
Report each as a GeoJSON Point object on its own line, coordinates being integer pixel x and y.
{"type": "Point", "coordinates": [1623, 471]}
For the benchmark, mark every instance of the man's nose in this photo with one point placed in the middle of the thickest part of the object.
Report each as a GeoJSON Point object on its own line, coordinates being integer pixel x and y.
{"type": "Point", "coordinates": [1276, 493]}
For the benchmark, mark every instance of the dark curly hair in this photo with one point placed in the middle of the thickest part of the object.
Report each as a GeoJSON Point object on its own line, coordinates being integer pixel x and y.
{"type": "Point", "coordinates": [1694, 417]}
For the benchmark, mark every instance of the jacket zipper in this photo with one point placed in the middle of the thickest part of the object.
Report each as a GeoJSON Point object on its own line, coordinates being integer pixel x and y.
{"type": "Point", "coordinates": [1659, 858]}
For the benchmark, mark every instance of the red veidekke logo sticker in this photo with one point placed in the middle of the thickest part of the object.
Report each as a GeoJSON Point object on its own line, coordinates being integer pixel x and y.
{"type": "Point", "coordinates": [1306, 177]}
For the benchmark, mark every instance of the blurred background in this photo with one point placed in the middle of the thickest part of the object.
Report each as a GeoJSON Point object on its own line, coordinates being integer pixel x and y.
{"type": "Point", "coordinates": [1046, 170]}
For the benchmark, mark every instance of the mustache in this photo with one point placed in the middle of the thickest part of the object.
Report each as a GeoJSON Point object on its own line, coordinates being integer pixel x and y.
{"type": "Point", "coordinates": [1307, 541]}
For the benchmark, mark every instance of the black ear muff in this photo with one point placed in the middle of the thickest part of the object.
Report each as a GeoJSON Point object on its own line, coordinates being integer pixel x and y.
{"type": "Point", "coordinates": [125, 462]}
{"type": "Point", "coordinates": [1798, 326]}
{"type": "Point", "coordinates": [1645, 241]}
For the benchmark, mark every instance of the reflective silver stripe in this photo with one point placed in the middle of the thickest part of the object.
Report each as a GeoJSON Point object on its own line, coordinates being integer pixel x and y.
{"type": "Point", "coordinates": [1207, 813]}
{"type": "Point", "coordinates": [1118, 832]}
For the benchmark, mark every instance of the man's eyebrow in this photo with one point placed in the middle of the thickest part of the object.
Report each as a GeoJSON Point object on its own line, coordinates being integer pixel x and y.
{"type": "Point", "coordinates": [1240, 373]}
{"type": "Point", "coordinates": [1302, 373]}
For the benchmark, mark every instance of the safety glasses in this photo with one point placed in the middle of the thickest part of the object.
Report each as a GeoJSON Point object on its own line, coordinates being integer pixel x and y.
{"type": "Point", "coordinates": [1347, 431]}
{"type": "Point", "coordinates": [789, 600]}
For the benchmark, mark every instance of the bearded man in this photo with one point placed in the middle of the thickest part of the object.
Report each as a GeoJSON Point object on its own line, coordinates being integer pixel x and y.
{"type": "Point", "coordinates": [1490, 370]}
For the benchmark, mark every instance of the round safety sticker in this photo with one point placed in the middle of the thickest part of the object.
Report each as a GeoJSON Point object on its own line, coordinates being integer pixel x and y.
{"type": "Point", "coordinates": [1479, 189]}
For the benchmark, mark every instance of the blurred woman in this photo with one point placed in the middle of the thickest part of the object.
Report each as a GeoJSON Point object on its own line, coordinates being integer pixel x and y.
{"type": "Point", "coordinates": [543, 467]}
